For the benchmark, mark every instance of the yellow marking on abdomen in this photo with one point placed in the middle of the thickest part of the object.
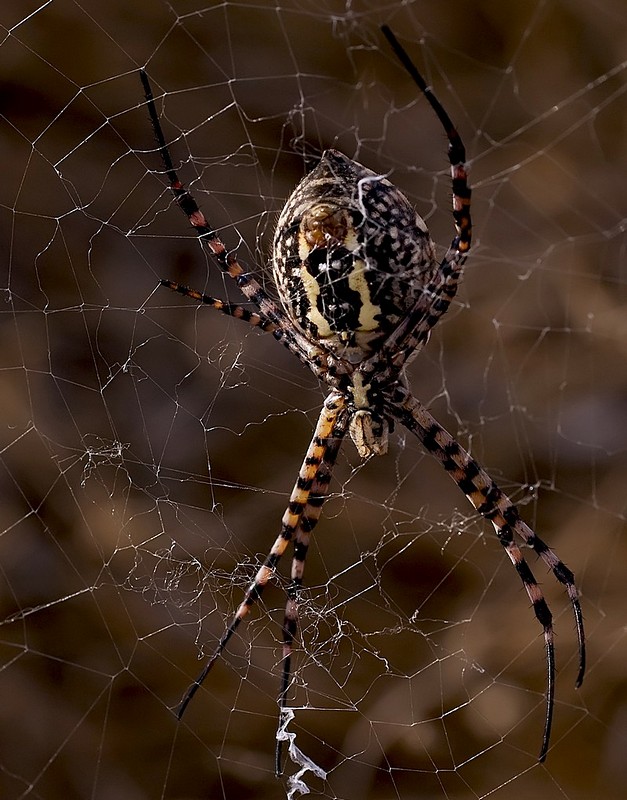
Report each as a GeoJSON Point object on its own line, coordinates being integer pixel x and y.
{"type": "Point", "coordinates": [358, 283]}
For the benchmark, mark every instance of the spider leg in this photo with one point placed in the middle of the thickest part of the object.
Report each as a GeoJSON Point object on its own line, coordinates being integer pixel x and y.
{"type": "Point", "coordinates": [332, 408]}
{"type": "Point", "coordinates": [315, 357]}
{"type": "Point", "coordinates": [456, 150]}
{"type": "Point", "coordinates": [561, 572]}
{"type": "Point", "coordinates": [230, 309]}
{"type": "Point", "coordinates": [413, 331]}
{"type": "Point", "coordinates": [308, 521]}
{"type": "Point", "coordinates": [496, 507]}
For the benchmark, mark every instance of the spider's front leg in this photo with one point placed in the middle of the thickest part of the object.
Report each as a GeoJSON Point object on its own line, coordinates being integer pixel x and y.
{"type": "Point", "coordinates": [308, 520]}
{"type": "Point", "coordinates": [299, 519]}
{"type": "Point", "coordinates": [497, 508]}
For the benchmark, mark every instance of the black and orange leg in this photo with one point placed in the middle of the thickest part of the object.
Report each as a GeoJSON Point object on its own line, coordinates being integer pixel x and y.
{"type": "Point", "coordinates": [334, 406]}
{"type": "Point", "coordinates": [270, 313]}
{"type": "Point", "coordinates": [308, 521]}
{"type": "Point", "coordinates": [561, 572]}
{"type": "Point", "coordinates": [496, 507]}
{"type": "Point", "coordinates": [456, 149]}
{"type": "Point", "coordinates": [229, 309]}
{"type": "Point", "coordinates": [413, 331]}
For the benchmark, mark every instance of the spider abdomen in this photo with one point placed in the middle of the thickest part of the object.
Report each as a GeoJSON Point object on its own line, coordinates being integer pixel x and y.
{"type": "Point", "coordinates": [351, 256]}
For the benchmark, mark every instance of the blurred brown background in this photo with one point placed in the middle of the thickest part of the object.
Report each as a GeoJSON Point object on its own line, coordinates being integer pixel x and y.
{"type": "Point", "coordinates": [148, 446]}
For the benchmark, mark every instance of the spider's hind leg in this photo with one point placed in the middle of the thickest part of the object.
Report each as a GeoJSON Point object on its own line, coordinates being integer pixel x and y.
{"type": "Point", "coordinates": [253, 318]}
{"type": "Point", "coordinates": [271, 317]}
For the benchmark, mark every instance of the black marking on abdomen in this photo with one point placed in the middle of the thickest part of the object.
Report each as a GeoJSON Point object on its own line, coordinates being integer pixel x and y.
{"type": "Point", "coordinates": [337, 302]}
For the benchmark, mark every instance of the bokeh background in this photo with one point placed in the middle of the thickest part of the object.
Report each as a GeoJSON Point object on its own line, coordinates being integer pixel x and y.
{"type": "Point", "coordinates": [148, 446]}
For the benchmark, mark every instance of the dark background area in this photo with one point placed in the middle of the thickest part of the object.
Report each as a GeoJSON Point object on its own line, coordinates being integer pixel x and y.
{"type": "Point", "coordinates": [148, 446]}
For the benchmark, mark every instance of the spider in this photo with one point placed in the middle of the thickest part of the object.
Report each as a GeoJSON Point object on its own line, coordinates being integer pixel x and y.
{"type": "Point", "coordinates": [360, 290]}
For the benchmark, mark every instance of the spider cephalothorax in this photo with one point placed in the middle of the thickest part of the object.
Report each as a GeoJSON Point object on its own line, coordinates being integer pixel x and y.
{"type": "Point", "coordinates": [360, 288]}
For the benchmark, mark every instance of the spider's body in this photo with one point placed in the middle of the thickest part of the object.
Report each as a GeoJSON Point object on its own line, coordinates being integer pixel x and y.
{"type": "Point", "coordinates": [351, 256]}
{"type": "Point", "coordinates": [361, 290]}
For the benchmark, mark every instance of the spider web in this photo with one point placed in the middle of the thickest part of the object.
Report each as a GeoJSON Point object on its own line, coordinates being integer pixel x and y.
{"type": "Point", "coordinates": [149, 446]}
